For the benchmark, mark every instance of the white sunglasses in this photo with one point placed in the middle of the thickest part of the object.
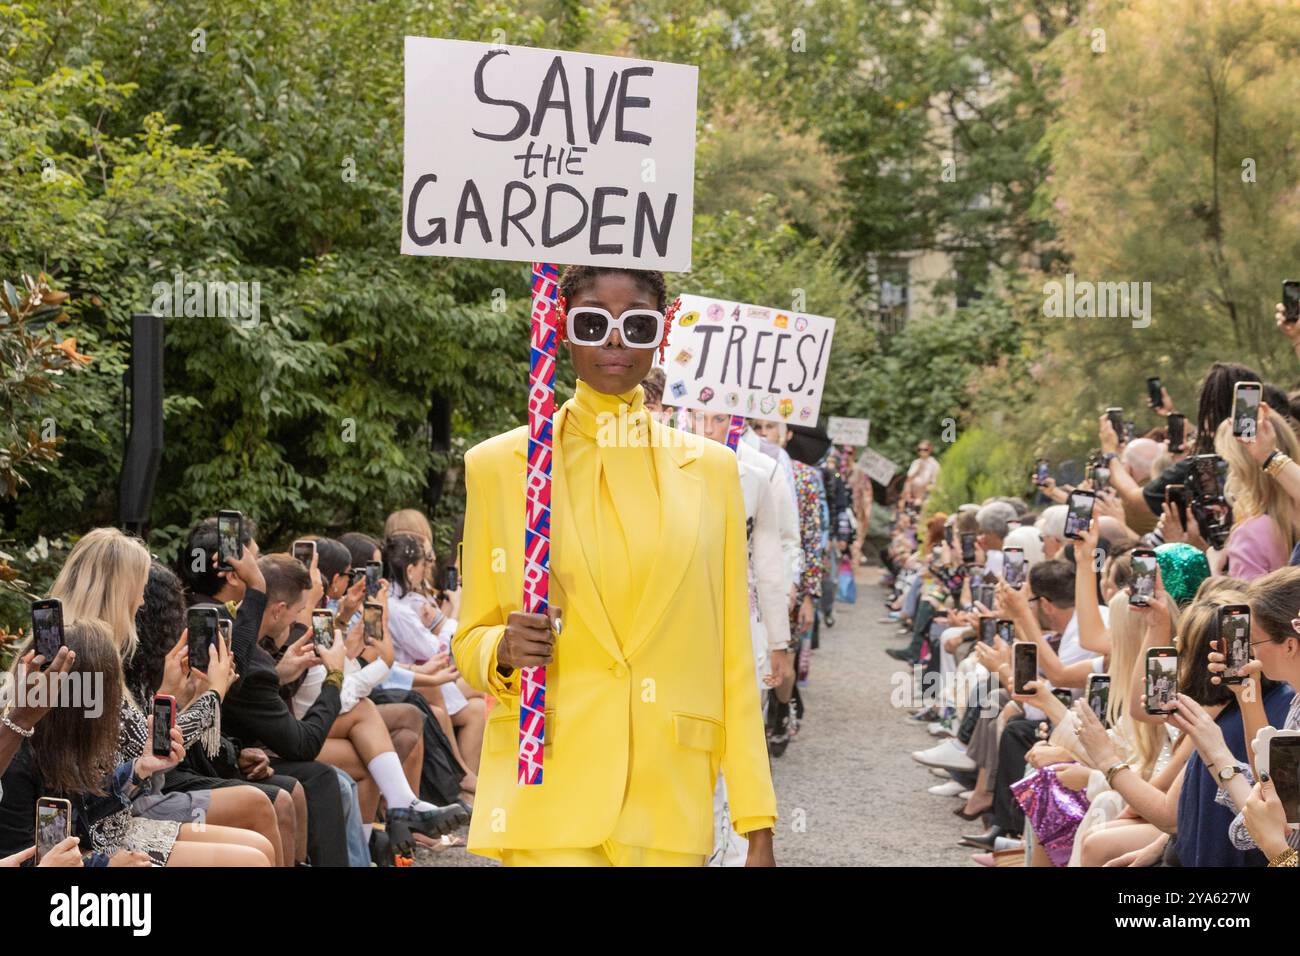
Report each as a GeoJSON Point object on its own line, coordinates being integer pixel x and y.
{"type": "Point", "coordinates": [637, 328]}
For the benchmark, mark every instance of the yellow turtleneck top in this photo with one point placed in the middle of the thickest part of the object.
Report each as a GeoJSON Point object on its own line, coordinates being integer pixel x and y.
{"type": "Point", "coordinates": [613, 496]}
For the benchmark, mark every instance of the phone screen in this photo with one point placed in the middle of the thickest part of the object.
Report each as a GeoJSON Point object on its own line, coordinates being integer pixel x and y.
{"type": "Point", "coordinates": [229, 545]}
{"type": "Point", "coordinates": [1099, 696]}
{"type": "Point", "coordinates": [1063, 695]}
{"type": "Point", "coordinates": [1284, 768]}
{"type": "Point", "coordinates": [1007, 630]}
{"type": "Point", "coordinates": [1143, 588]}
{"type": "Point", "coordinates": [1205, 476]}
{"type": "Point", "coordinates": [1040, 471]}
{"type": "Point", "coordinates": [968, 547]}
{"type": "Point", "coordinates": [1153, 392]}
{"type": "Point", "coordinates": [1013, 566]}
{"type": "Point", "coordinates": [1176, 496]}
{"type": "Point", "coordinates": [986, 595]}
{"type": "Point", "coordinates": [1175, 431]}
{"type": "Point", "coordinates": [1025, 666]}
{"type": "Point", "coordinates": [53, 824]}
{"type": "Point", "coordinates": [47, 628]}
{"type": "Point", "coordinates": [452, 579]}
{"type": "Point", "coordinates": [1245, 408]}
{"type": "Point", "coordinates": [202, 624]}
{"type": "Point", "coordinates": [374, 622]}
{"type": "Point", "coordinates": [227, 629]}
{"type": "Point", "coordinates": [1291, 301]}
{"type": "Point", "coordinates": [322, 629]}
{"type": "Point", "coordinates": [374, 571]}
{"type": "Point", "coordinates": [988, 630]}
{"type": "Point", "coordinates": [1162, 679]}
{"type": "Point", "coordinates": [1078, 517]}
{"type": "Point", "coordinates": [164, 712]}
{"type": "Point", "coordinates": [1116, 416]}
{"type": "Point", "coordinates": [1234, 637]}
{"type": "Point", "coordinates": [304, 551]}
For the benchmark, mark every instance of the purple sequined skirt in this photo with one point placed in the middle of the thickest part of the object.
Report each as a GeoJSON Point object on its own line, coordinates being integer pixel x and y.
{"type": "Point", "coordinates": [1053, 811]}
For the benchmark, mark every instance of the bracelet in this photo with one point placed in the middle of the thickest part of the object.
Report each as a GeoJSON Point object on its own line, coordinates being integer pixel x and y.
{"type": "Point", "coordinates": [21, 732]}
{"type": "Point", "coordinates": [1275, 462]}
{"type": "Point", "coordinates": [1286, 858]}
{"type": "Point", "coordinates": [334, 679]}
{"type": "Point", "coordinates": [1110, 774]}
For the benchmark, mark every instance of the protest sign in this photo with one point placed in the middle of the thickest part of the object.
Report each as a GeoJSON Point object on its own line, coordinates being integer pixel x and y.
{"type": "Point", "coordinates": [747, 360]}
{"type": "Point", "coordinates": [526, 154]}
{"type": "Point", "coordinates": [848, 431]}
{"type": "Point", "coordinates": [878, 468]}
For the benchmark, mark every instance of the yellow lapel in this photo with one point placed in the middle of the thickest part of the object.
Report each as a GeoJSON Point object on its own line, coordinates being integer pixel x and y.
{"type": "Point", "coordinates": [681, 494]}
{"type": "Point", "coordinates": [570, 568]}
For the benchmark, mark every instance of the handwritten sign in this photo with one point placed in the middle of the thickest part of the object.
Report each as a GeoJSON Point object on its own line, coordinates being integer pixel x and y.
{"type": "Point", "coordinates": [747, 360]}
{"type": "Point", "coordinates": [527, 154]}
{"type": "Point", "coordinates": [848, 431]}
{"type": "Point", "coordinates": [878, 468]}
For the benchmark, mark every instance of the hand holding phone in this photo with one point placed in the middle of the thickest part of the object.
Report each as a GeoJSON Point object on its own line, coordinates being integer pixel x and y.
{"type": "Point", "coordinates": [164, 719]}
{"type": "Point", "coordinates": [230, 538]}
{"type": "Point", "coordinates": [47, 629]}
{"type": "Point", "coordinates": [1078, 516]}
{"type": "Point", "coordinates": [53, 825]}
{"type": "Point", "coordinates": [1024, 665]}
{"type": "Point", "coordinates": [1161, 680]}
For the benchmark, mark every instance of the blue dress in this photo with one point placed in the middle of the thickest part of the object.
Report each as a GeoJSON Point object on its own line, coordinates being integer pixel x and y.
{"type": "Point", "coordinates": [1203, 824]}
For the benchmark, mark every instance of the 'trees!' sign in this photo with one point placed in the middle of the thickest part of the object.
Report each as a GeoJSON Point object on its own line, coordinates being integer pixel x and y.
{"type": "Point", "coordinates": [540, 155]}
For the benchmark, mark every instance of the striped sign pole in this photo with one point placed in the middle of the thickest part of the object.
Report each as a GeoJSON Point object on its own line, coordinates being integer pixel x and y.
{"type": "Point", "coordinates": [537, 505]}
{"type": "Point", "coordinates": [734, 428]}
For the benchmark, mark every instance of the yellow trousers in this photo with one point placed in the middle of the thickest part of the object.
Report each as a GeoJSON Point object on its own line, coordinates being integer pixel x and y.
{"type": "Point", "coordinates": [608, 853]}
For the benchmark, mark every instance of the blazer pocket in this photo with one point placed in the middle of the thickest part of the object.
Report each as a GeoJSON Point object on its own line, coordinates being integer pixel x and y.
{"type": "Point", "coordinates": [701, 733]}
{"type": "Point", "coordinates": [503, 732]}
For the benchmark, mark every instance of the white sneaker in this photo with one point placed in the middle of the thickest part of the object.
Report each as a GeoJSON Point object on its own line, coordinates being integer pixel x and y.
{"type": "Point", "coordinates": [937, 729]}
{"type": "Point", "coordinates": [941, 774]}
{"type": "Point", "coordinates": [1006, 843]}
{"type": "Point", "coordinates": [945, 755]}
{"type": "Point", "coordinates": [966, 794]}
{"type": "Point", "coordinates": [950, 789]}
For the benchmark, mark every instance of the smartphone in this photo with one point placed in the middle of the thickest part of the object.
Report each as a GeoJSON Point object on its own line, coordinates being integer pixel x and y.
{"type": "Point", "coordinates": [450, 579]}
{"type": "Point", "coordinates": [1284, 769]}
{"type": "Point", "coordinates": [947, 535]}
{"type": "Point", "coordinates": [47, 628]}
{"type": "Point", "coordinates": [1143, 588]}
{"type": "Point", "coordinates": [988, 630]}
{"type": "Point", "coordinates": [1176, 432]}
{"type": "Point", "coordinates": [1162, 679]}
{"type": "Point", "coordinates": [1097, 694]}
{"type": "Point", "coordinates": [53, 824]}
{"type": "Point", "coordinates": [230, 534]}
{"type": "Point", "coordinates": [1064, 696]}
{"type": "Point", "coordinates": [204, 629]}
{"type": "Point", "coordinates": [227, 629]}
{"type": "Point", "coordinates": [373, 618]}
{"type": "Point", "coordinates": [1024, 666]}
{"type": "Point", "coordinates": [1013, 566]}
{"type": "Point", "coordinates": [968, 547]}
{"type": "Point", "coordinates": [1116, 416]}
{"type": "Point", "coordinates": [1234, 640]}
{"type": "Point", "coordinates": [1205, 476]}
{"type": "Point", "coordinates": [1007, 630]}
{"type": "Point", "coordinates": [304, 550]}
{"type": "Point", "coordinates": [1245, 409]}
{"type": "Point", "coordinates": [1291, 301]}
{"type": "Point", "coordinates": [1040, 471]}
{"type": "Point", "coordinates": [1078, 517]}
{"type": "Point", "coordinates": [374, 571]}
{"type": "Point", "coordinates": [1176, 497]}
{"type": "Point", "coordinates": [322, 628]}
{"type": "Point", "coordinates": [1154, 395]}
{"type": "Point", "coordinates": [164, 718]}
{"type": "Point", "coordinates": [986, 594]}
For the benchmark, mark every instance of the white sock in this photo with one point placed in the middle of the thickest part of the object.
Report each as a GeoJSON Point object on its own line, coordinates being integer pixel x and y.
{"type": "Point", "coordinates": [386, 770]}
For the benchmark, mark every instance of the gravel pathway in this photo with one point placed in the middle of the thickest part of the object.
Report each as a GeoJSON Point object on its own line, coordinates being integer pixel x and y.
{"type": "Point", "coordinates": [848, 791]}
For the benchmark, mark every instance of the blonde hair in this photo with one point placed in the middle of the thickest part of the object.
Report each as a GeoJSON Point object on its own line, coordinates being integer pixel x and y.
{"type": "Point", "coordinates": [411, 521]}
{"type": "Point", "coordinates": [104, 578]}
{"type": "Point", "coordinates": [1127, 664]}
{"type": "Point", "coordinates": [1252, 491]}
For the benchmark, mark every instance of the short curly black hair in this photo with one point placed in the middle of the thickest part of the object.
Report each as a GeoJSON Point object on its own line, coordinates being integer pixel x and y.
{"type": "Point", "coordinates": [575, 278]}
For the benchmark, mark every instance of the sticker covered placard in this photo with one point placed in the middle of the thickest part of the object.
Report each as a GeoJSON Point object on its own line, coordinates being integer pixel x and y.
{"type": "Point", "coordinates": [542, 155]}
{"type": "Point", "coordinates": [747, 360]}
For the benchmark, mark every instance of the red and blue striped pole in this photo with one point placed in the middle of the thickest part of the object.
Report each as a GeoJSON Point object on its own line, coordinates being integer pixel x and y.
{"type": "Point", "coordinates": [537, 509]}
{"type": "Point", "coordinates": [734, 428]}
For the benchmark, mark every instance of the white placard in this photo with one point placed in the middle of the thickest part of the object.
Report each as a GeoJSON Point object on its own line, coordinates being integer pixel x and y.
{"type": "Point", "coordinates": [747, 360]}
{"type": "Point", "coordinates": [848, 431]}
{"type": "Point", "coordinates": [541, 155]}
{"type": "Point", "coordinates": [878, 468]}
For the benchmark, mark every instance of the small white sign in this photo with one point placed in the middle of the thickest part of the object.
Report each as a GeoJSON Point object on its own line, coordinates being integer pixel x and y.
{"type": "Point", "coordinates": [747, 360]}
{"type": "Point", "coordinates": [878, 468]}
{"type": "Point", "coordinates": [848, 431]}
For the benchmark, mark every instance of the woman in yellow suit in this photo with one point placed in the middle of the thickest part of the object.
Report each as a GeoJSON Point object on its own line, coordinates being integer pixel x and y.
{"type": "Point", "coordinates": [650, 673]}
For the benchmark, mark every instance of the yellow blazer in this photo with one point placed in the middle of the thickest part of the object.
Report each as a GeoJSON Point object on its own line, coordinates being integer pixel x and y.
{"type": "Point", "coordinates": [635, 736]}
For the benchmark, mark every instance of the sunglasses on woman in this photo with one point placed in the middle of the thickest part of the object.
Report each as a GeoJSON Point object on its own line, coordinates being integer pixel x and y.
{"type": "Point", "coordinates": [637, 328]}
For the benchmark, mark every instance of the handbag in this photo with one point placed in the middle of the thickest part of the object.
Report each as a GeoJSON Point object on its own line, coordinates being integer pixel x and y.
{"type": "Point", "coordinates": [846, 588]}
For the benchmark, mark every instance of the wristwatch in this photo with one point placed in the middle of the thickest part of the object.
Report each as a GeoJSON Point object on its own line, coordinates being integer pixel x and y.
{"type": "Point", "coordinates": [1227, 773]}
